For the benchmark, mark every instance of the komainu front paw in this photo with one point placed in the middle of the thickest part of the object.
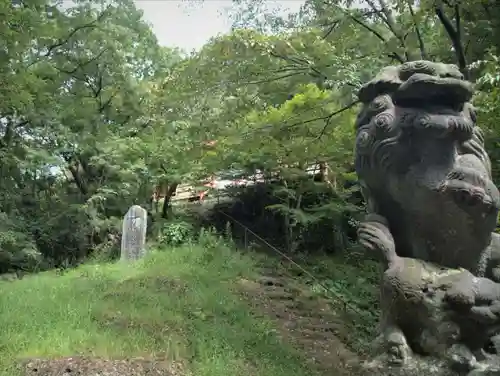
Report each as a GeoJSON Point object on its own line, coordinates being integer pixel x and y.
{"type": "Point", "coordinates": [397, 347]}
{"type": "Point", "coordinates": [461, 358]}
{"type": "Point", "coordinates": [495, 274]}
{"type": "Point", "coordinates": [374, 235]}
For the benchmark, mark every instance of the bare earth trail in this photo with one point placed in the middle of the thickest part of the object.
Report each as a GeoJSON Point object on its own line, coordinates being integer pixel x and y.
{"type": "Point", "coordinates": [89, 366]}
{"type": "Point", "coordinates": [304, 320]}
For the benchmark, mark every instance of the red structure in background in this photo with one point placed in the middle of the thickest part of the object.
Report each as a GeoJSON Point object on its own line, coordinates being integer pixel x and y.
{"type": "Point", "coordinates": [160, 191]}
{"type": "Point", "coordinates": [178, 192]}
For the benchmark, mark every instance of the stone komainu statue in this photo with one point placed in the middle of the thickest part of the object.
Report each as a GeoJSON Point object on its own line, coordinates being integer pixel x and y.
{"type": "Point", "coordinates": [432, 209]}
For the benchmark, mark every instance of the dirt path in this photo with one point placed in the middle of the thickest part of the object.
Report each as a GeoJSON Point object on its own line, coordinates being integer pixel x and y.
{"type": "Point", "coordinates": [304, 320]}
{"type": "Point", "coordinates": [73, 366]}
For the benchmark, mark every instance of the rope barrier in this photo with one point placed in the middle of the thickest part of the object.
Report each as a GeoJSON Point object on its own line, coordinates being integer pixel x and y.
{"type": "Point", "coordinates": [300, 267]}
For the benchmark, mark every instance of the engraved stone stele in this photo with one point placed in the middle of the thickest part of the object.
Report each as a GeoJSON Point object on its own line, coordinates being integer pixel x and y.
{"type": "Point", "coordinates": [135, 222]}
{"type": "Point", "coordinates": [431, 211]}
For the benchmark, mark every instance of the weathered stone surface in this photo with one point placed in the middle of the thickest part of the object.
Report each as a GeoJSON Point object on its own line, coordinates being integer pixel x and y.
{"type": "Point", "coordinates": [135, 222]}
{"type": "Point", "coordinates": [432, 209]}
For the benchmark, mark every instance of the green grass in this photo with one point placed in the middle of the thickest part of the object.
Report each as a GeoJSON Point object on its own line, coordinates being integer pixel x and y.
{"type": "Point", "coordinates": [178, 303]}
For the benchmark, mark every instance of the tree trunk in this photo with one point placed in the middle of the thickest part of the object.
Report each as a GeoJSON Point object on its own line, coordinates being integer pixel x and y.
{"type": "Point", "coordinates": [166, 202]}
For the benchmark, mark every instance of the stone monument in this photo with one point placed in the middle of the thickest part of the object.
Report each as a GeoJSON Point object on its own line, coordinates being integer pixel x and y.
{"type": "Point", "coordinates": [431, 212]}
{"type": "Point", "coordinates": [135, 222]}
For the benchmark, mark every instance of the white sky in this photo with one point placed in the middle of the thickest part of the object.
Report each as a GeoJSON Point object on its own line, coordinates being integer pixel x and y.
{"type": "Point", "coordinates": [189, 26]}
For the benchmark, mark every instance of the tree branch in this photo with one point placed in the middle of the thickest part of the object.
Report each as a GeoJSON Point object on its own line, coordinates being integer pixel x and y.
{"type": "Point", "coordinates": [327, 118]}
{"type": "Point", "coordinates": [80, 65]}
{"type": "Point", "coordinates": [453, 34]}
{"type": "Point", "coordinates": [273, 79]}
{"type": "Point", "coordinates": [367, 27]}
{"type": "Point", "coordinates": [63, 41]}
{"type": "Point", "coordinates": [393, 27]}
{"type": "Point", "coordinates": [330, 117]}
{"type": "Point", "coordinates": [421, 44]}
{"type": "Point", "coordinates": [331, 27]}
{"type": "Point", "coordinates": [302, 64]}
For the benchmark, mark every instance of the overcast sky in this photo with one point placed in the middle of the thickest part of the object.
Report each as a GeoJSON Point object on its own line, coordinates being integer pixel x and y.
{"type": "Point", "coordinates": [177, 24]}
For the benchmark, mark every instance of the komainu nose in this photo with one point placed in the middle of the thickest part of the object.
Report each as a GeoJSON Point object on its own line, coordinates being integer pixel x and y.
{"type": "Point", "coordinates": [440, 124]}
{"type": "Point", "coordinates": [460, 128]}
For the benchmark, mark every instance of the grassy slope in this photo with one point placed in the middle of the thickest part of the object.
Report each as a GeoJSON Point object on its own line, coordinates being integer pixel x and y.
{"type": "Point", "coordinates": [177, 303]}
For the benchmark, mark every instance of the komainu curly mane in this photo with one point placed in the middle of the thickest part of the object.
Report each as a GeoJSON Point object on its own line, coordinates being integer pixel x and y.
{"type": "Point", "coordinates": [421, 162]}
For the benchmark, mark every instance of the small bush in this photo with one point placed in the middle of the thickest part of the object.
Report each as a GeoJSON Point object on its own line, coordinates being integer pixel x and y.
{"type": "Point", "coordinates": [176, 233]}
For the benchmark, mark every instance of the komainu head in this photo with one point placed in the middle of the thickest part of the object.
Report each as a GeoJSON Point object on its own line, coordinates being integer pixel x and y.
{"type": "Point", "coordinates": [419, 155]}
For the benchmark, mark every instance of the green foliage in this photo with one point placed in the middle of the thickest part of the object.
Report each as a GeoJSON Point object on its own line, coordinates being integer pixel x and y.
{"type": "Point", "coordinates": [76, 82]}
{"type": "Point", "coordinates": [95, 113]}
{"type": "Point", "coordinates": [18, 250]}
{"type": "Point", "coordinates": [176, 233]}
{"type": "Point", "coordinates": [487, 102]}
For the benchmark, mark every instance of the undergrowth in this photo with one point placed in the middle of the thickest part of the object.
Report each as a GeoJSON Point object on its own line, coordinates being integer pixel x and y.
{"type": "Point", "coordinates": [350, 283]}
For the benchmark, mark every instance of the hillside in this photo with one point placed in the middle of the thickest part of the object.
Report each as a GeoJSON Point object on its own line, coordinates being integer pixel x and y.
{"type": "Point", "coordinates": [97, 116]}
{"type": "Point", "coordinates": [194, 310]}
